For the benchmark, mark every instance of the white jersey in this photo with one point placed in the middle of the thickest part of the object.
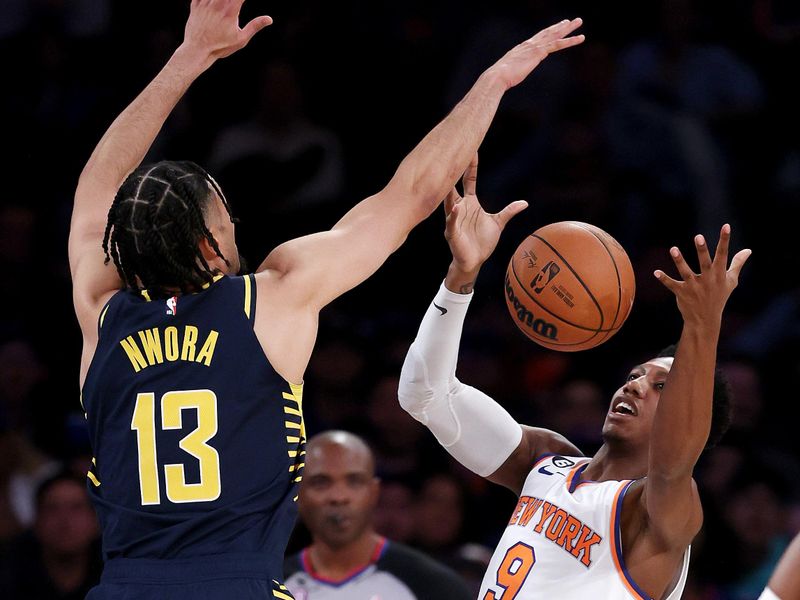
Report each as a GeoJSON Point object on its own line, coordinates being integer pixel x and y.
{"type": "Point", "coordinates": [563, 540]}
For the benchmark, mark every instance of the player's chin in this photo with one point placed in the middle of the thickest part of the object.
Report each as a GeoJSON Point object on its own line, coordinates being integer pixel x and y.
{"type": "Point", "coordinates": [616, 425]}
{"type": "Point", "coordinates": [339, 537]}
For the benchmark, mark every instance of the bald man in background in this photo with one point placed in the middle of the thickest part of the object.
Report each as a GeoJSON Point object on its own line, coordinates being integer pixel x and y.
{"type": "Point", "coordinates": [348, 559]}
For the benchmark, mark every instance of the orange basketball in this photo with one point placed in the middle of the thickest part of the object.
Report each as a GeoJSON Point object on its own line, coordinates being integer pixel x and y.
{"type": "Point", "coordinates": [569, 286]}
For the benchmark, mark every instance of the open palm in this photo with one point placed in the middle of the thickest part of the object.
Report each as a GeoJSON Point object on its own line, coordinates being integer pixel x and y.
{"type": "Point", "coordinates": [213, 25]}
{"type": "Point", "coordinates": [471, 232]}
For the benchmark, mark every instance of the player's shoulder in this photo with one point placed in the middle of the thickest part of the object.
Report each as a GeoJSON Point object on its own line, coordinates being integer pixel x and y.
{"type": "Point", "coordinates": [543, 442]}
{"type": "Point", "coordinates": [426, 577]}
{"type": "Point", "coordinates": [277, 284]}
{"type": "Point", "coordinates": [535, 442]}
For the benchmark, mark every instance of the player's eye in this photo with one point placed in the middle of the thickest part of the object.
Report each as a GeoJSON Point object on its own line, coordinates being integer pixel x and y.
{"type": "Point", "coordinates": [631, 377]}
{"type": "Point", "coordinates": [659, 386]}
{"type": "Point", "coordinates": [318, 483]}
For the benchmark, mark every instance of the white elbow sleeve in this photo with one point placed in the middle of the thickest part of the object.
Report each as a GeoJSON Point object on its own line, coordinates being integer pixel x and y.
{"type": "Point", "coordinates": [475, 429]}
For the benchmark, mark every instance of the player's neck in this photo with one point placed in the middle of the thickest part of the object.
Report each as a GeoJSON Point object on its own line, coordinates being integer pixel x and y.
{"type": "Point", "coordinates": [615, 461]}
{"type": "Point", "coordinates": [339, 562]}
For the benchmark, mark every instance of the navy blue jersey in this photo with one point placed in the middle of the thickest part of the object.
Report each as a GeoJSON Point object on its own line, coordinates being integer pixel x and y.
{"type": "Point", "coordinates": [198, 442]}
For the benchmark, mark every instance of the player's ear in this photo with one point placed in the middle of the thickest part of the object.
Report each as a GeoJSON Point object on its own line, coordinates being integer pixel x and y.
{"type": "Point", "coordinates": [206, 249]}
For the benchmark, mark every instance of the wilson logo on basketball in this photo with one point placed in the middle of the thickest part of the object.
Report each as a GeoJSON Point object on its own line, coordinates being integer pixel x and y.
{"type": "Point", "coordinates": [545, 276]}
{"type": "Point", "coordinates": [527, 318]}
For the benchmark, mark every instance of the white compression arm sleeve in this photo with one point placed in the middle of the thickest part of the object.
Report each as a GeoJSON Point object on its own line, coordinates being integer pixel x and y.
{"type": "Point", "coordinates": [768, 595]}
{"type": "Point", "coordinates": [475, 429]}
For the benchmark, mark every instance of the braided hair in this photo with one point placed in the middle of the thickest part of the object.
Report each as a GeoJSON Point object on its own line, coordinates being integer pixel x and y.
{"type": "Point", "coordinates": [155, 225]}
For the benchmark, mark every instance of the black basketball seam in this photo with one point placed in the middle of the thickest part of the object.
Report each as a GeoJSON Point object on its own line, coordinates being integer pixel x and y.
{"type": "Point", "coordinates": [585, 287]}
{"type": "Point", "coordinates": [547, 310]}
{"type": "Point", "coordinates": [588, 291]}
{"type": "Point", "coordinates": [616, 270]}
{"type": "Point", "coordinates": [546, 341]}
{"type": "Point", "coordinates": [544, 308]}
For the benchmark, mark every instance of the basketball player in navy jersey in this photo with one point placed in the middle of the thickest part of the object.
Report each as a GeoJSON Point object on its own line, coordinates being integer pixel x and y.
{"type": "Point", "coordinates": [615, 526]}
{"type": "Point", "coordinates": [191, 376]}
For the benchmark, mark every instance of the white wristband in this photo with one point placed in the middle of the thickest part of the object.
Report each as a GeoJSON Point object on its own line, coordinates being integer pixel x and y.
{"type": "Point", "coordinates": [440, 334]}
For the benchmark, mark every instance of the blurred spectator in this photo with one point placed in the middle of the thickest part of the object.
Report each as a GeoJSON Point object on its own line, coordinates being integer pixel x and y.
{"type": "Point", "coordinates": [523, 130]}
{"type": "Point", "coordinates": [675, 92]}
{"type": "Point", "coordinates": [22, 464]}
{"type": "Point", "coordinates": [10, 521]}
{"type": "Point", "coordinates": [14, 17]}
{"type": "Point", "coordinates": [348, 559]}
{"type": "Point", "coordinates": [22, 468]}
{"type": "Point", "coordinates": [579, 414]}
{"type": "Point", "coordinates": [59, 559]}
{"type": "Point", "coordinates": [774, 327]}
{"type": "Point", "coordinates": [440, 520]}
{"type": "Point", "coordinates": [398, 440]}
{"type": "Point", "coordinates": [277, 163]}
{"type": "Point", "coordinates": [338, 373]}
{"type": "Point", "coordinates": [21, 372]}
{"type": "Point", "coordinates": [394, 514]}
{"type": "Point", "coordinates": [747, 397]}
{"type": "Point", "coordinates": [742, 549]}
{"type": "Point", "coordinates": [440, 515]}
{"type": "Point", "coordinates": [718, 467]}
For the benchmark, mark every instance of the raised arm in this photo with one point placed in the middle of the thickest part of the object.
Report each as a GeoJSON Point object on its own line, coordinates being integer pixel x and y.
{"type": "Point", "coordinates": [323, 266]}
{"type": "Point", "coordinates": [683, 417]}
{"type": "Point", "coordinates": [212, 32]}
{"type": "Point", "coordinates": [470, 425]}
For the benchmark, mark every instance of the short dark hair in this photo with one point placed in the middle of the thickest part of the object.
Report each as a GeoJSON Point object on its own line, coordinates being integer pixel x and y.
{"type": "Point", "coordinates": [722, 408]}
{"type": "Point", "coordinates": [155, 224]}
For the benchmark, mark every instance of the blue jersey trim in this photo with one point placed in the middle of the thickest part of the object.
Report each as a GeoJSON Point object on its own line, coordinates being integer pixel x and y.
{"type": "Point", "coordinates": [618, 542]}
{"type": "Point", "coordinates": [307, 567]}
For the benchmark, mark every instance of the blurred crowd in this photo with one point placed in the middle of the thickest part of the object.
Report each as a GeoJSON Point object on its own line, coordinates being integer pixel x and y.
{"type": "Point", "coordinates": [674, 117]}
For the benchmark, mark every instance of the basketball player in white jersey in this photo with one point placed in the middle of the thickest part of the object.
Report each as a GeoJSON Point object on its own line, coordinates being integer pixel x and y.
{"type": "Point", "coordinates": [785, 581]}
{"type": "Point", "coordinates": [617, 525]}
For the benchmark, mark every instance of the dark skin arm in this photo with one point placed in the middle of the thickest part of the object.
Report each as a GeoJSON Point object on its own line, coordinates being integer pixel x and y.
{"type": "Point", "coordinates": [534, 443]}
{"type": "Point", "coordinates": [662, 513]}
{"type": "Point", "coordinates": [472, 235]}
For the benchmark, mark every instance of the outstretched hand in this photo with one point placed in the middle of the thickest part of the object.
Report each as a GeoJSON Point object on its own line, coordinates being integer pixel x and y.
{"type": "Point", "coordinates": [471, 232]}
{"type": "Point", "coordinates": [702, 297]}
{"type": "Point", "coordinates": [213, 27]}
{"type": "Point", "coordinates": [523, 58]}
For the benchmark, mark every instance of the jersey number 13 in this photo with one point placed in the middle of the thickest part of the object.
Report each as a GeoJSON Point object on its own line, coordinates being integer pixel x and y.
{"type": "Point", "coordinates": [195, 444]}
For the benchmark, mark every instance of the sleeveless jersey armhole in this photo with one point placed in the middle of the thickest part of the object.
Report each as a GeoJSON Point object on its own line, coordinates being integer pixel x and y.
{"type": "Point", "coordinates": [250, 292]}
{"type": "Point", "coordinates": [619, 559]}
{"type": "Point", "coordinates": [101, 319]}
{"type": "Point", "coordinates": [540, 457]}
{"type": "Point", "coordinates": [616, 543]}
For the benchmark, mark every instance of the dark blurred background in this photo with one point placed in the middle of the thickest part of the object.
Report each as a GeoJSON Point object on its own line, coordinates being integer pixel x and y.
{"type": "Point", "coordinates": [674, 117]}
